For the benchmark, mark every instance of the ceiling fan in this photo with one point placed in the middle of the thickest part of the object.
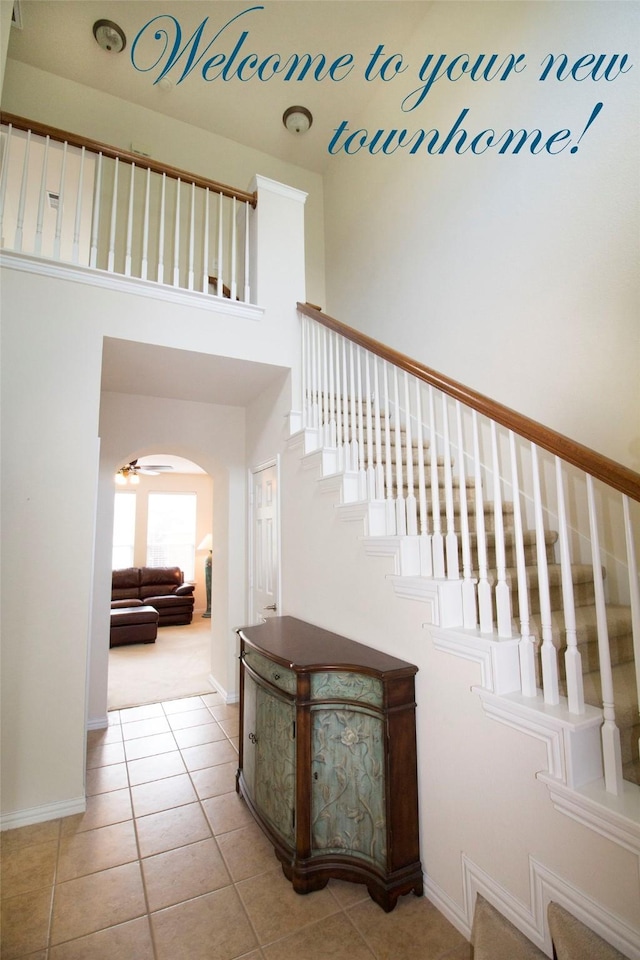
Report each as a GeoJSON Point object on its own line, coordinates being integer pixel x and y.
{"type": "Point", "coordinates": [130, 473]}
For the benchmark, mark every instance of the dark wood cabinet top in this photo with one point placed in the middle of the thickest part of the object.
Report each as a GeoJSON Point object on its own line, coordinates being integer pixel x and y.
{"type": "Point", "coordinates": [301, 646]}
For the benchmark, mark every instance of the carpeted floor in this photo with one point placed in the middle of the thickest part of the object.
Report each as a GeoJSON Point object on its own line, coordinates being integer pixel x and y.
{"type": "Point", "coordinates": [177, 665]}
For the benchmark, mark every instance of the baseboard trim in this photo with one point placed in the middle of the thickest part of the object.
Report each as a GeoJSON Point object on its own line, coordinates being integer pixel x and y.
{"type": "Point", "coordinates": [98, 723]}
{"type": "Point", "coordinates": [48, 811]}
{"type": "Point", "coordinates": [228, 697]}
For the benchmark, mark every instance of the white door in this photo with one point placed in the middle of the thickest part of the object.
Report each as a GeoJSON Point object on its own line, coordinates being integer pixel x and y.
{"type": "Point", "coordinates": [266, 543]}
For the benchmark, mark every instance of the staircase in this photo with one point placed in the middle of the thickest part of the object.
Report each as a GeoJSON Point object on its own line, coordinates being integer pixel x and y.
{"type": "Point", "coordinates": [514, 564]}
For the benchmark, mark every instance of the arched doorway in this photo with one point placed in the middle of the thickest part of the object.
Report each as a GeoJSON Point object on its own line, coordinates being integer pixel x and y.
{"type": "Point", "coordinates": [161, 516]}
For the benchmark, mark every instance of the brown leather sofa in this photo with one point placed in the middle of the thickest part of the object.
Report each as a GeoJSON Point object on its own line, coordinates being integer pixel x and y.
{"type": "Point", "coordinates": [162, 588]}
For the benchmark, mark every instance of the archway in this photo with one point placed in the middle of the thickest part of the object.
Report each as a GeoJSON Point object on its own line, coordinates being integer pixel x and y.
{"type": "Point", "coordinates": [160, 518]}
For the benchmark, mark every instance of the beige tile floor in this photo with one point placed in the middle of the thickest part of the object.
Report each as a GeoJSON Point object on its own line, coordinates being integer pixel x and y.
{"type": "Point", "coordinates": [167, 864]}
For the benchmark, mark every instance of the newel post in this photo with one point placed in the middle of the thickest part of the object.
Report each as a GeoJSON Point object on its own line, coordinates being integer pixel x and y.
{"type": "Point", "coordinates": [277, 270]}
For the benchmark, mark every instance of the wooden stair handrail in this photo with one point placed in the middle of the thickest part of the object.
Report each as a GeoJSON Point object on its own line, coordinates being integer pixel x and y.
{"type": "Point", "coordinates": [614, 474]}
{"type": "Point", "coordinates": [75, 140]}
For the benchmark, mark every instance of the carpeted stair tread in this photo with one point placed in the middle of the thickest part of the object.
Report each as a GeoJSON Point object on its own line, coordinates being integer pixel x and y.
{"type": "Point", "coordinates": [618, 628]}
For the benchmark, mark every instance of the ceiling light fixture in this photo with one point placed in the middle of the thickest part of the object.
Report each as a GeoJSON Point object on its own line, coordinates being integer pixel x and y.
{"type": "Point", "coordinates": [297, 119]}
{"type": "Point", "coordinates": [109, 36]}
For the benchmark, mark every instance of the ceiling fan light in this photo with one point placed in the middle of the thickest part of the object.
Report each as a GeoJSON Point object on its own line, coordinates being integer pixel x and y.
{"type": "Point", "coordinates": [120, 478]}
{"type": "Point", "coordinates": [134, 478]}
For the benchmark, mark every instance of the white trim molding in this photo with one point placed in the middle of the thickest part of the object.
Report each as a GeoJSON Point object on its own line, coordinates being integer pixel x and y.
{"type": "Point", "coordinates": [144, 288]}
{"type": "Point", "coordinates": [531, 919]}
{"type": "Point", "coordinates": [48, 811]}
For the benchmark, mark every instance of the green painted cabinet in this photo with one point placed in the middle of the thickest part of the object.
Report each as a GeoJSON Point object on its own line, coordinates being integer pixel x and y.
{"type": "Point", "coordinates": [328, 757]}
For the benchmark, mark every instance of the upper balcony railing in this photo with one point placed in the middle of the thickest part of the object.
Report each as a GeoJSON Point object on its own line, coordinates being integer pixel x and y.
{"type": "Point", "coordinates": [78, 201]}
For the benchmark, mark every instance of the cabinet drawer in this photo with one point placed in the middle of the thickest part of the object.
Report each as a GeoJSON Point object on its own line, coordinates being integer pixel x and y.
{"type": "Point", "coordinates": [345, 685]}
{"type": "Point", "coordinates": [279, 676]}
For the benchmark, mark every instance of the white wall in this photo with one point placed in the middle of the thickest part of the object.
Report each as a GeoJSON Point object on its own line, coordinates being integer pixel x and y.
{"type": "Point", "coordinates": [57, 498]}
{"type": "Point", "coordinates": [37, 95]}
{"type": "Point", "coordinates": [516, 275]}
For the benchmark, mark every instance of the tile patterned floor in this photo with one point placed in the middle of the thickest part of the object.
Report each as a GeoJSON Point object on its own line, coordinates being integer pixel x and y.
{"type": "Point", "coordinates": [167, 864]}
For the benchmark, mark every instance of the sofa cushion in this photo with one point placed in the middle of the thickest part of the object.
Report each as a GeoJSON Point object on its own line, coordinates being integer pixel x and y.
{"type": "Point", "coordinates": [158, 581]}
{"type": "Point", "coordinates": [125, 583]}
{"type": "Point", "coordinates": [125, 602]}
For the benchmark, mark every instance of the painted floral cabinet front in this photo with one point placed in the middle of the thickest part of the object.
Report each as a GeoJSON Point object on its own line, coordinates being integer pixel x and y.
{"type": "Point", "coordinates": [348, 801]}
{"type": "Point", "coordinates": [327, 727]}
{"type": "Point", "coordinates": [270, 751]}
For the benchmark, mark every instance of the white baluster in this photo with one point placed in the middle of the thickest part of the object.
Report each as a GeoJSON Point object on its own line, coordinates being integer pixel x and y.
{"type": "Point", "coordinates": [426, 558]}
{"type": "Point", "coordinates": [161, 230]}
{"type": "Point", "coordinates": [234, 251]}
{"type": "Point", "coordinates": [548, 651]}
{"type": "Point", "coordinates": [127, 259]}
{"type": "Point", "coordinates": [485, 600]}
{"type": "Point", "coordinates": [526, 647]}
{"type": "Point", "coordinates": [469, 612]}
{"type": "Point", "coordinates": [379, 469]}
{"type": "Point", "coordinates": [78, 222]}
{"type": "Point", "coordinates": [315, 406]}
{"type": "Point", "coordinates": [634, 590]}
{"type": "Point", "coordinates": [328, 401]}
{"type": "Point", "coordinates": [338, 388]}
{"type": "Point", "coordinates": [41, 199]}
{"type": "Point", "coordinates": [3, 178]}
{"type": "Point", "coordinates": [17, 244]}
{"type": "Point", "coordinates": [220, 286]}
{"type": "Point", "coordinates": [176, 238]}
{"type": "Point", "coordinates": [192, 237]}
{"type": "Point", "coordinates": [95, 220]}
{"type": "Point", "coordinates": [346, 460]}
{"type": "Point", "coordinates": [437, 540]}
{"type": "Point", "coordinates": [205, 248]}
{"type": "Point", "coordinates": [612, 754]}
{"type": "Point", "coordinates": [332, 395]}
{"type": "Point", "coordinates": [401, 514]}
{"type": "Point", "coordinates": [503, 593]}
{"type": "Point", "coordinates": [355, 451]}
{"type": "Point", "coordinates": [371, 474]}
{"type": "Point", "coordinates": [304, 383]}
{"type": "Point", "coordinates": [451, 539]}
{"type": "Point", "coordinates": [572, 658]}
{"type": "Point", "coordinates": [247, 288]}
{"type": "Point", "coordinates": [362, 474]}
{"type": "Point", "coordinates": [57, 243]}
{"type": "Point", "coordinates": [144, 266]}
{"type": "Point", "coordinates": [390, 511]}
{"type": "Point", "coordinates": [111, 260]}
{"type": "Point", "coordinates": [411, 503]}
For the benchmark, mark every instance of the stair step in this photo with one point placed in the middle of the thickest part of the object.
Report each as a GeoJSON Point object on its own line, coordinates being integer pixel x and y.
{"type": "Point", "coordinates": [583, 587]}
{"type": "Point", "coordinates": [618, 628]}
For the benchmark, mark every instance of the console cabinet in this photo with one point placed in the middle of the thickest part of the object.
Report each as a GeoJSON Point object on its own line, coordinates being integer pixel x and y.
{"type": "Point", "coordinates": [328, 757]}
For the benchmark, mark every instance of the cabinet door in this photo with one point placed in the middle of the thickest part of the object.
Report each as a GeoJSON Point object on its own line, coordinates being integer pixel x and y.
{"type": "Point", "coordinates": [249, 734]}
{"type": "Point", "coordinates": [347, 784]}
{"type": "Point", "coordinates": [275, 761]}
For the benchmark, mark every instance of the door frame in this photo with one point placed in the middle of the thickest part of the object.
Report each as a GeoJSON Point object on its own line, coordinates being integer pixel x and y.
{"type": "Point", "coordinates": [252, 471]}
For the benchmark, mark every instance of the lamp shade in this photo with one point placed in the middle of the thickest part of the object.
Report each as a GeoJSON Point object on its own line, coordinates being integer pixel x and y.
{"type": "Point", "coordinates": [206, 543]}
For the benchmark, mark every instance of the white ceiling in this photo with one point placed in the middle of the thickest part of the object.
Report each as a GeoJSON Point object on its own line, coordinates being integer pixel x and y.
{"type": "Point", "coordinates": [58, 37]}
